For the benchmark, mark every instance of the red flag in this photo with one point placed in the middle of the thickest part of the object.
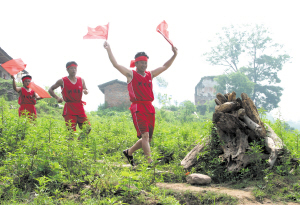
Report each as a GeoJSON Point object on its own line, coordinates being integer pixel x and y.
{"type": "Point", "coordinates": [14, 66]}
{"type": "Point", "coordinates": [100, 32]}
{"type": "Point", "coordinates": [40, 91]}
{"type": "Point", "coordinates": [162, 29]}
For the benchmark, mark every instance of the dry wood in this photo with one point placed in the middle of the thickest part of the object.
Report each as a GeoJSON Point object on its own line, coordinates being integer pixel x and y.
{"type": "Point", "coordinates": [226, 95]}
{"type": "Point", "coordinates": [217, 101]}
{"type": "Point", "coordinates": [252, 125]}
{"type": "Point", "coordinates": [227, 122]}
{"type": "Point", "coordinates": [237, 123]}
{"type": "Point", "coordinates": [191, 158]}
{"type": "Point", "coordinates": [227, 107]}
{"type": "Point", "coordinates": [277, 141]}
{"type": "Point", "coordinates": [234, 148]}
{"type": "Point", "coordinates": [252, 112]}
{"type": "Point", "coordinates": [232, 97]}
{"type": "Point", "coordinates": [221, 98]}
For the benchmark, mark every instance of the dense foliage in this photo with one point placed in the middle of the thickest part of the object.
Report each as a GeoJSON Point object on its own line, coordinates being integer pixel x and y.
{"type": "Point", "coordinates": [42, 163]}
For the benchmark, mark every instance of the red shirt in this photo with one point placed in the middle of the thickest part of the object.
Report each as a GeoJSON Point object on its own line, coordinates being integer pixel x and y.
{"type": "Point", "coordinates": [140, 89]}
{"type": "Point", "coordinates": [27, 101]}
{"type": "Point", "coordinates": [72, 94]}
{"type": "Point", "coordinates": [27, 97]}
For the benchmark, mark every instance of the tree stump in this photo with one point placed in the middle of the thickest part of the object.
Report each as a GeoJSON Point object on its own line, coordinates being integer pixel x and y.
{"type": "Point", "coordinates": [237, 124]}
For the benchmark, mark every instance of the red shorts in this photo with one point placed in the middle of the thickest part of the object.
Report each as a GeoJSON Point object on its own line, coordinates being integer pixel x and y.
{"type": "Point", "coordinates": [29, 108]}
{"type": "Point", "coordinates": [73, 120]}
{"type": "Point", "coordinates": [143, 122]}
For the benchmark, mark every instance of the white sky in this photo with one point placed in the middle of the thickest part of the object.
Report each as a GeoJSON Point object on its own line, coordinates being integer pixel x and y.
{"type": "Point", "coordinates": [47, 34]}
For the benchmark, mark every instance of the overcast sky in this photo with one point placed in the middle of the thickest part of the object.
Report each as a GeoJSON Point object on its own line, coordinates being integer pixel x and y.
{"type": "Point", "coordinates": [47, 34]}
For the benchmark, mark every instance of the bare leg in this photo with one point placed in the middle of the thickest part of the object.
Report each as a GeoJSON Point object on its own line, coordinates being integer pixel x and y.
{"type": "Point", "coordinates": [142, 143]}
{"type": "Point", "coordinates": [136, 146]}
{"type": "Point", "coordinates": [146, 146]}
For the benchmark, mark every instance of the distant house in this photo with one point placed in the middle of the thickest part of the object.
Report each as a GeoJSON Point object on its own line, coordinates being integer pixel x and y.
{"type": "Point", "coordinates": [4, 57]}
{"type": "Point", "coordinates": [204, 90]}
{"type": "Point", "coordinates": [115, 93]}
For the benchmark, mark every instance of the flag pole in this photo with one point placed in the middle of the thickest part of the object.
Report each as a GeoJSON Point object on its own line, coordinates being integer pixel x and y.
{"type": "Point", "coordinates": [165, 37]}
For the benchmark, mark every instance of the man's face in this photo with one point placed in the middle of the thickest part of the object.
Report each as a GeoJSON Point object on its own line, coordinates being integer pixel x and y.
{"type": "Point", "coordinates": [72, 70]}
{"type": "Point", "coordinates": [26, 82]}
{"type": "Point", "coordinates": [141, 65]}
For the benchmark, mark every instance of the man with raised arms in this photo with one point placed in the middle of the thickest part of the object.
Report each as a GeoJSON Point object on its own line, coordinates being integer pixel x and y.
{"type": "Point", "coordinates": [72, 87]}
{"type": "Point", "coordinates": [27, 97]}
{"type": "Point", "coordinates": [141, 95]}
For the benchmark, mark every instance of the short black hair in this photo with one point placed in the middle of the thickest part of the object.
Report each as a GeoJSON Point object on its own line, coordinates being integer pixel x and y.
{"type": "Point", "coordinates": [140, 54]}
{"type": "Point", "coordinates": [26, 76]}
{"type": "Point", "coordinates": [71, 62]}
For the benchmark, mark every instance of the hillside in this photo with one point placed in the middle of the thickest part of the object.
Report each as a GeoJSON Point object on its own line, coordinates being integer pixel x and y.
{"type": "Point", "coordinates": [43, 163]}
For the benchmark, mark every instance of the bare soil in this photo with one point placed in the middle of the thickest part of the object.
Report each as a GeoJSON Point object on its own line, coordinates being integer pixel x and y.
{"type": "Point", "coordinates": [244, 195]}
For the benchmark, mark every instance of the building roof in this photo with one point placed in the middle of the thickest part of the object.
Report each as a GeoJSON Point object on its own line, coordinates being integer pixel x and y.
{"type": "Point", "coordinates": [4, 57]}
{"type": "Point", "coordinates": [102, 86]}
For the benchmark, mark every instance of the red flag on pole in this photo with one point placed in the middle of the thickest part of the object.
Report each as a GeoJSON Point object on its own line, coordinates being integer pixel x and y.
{"type": "Point", "coordinates": [14, 66]}
{"type": "Point", "coordinates": [100, 32]}
{"type": "Point", "coordinates": [162, 29]}
{"type": "Point", "coordinates": [40, 91]}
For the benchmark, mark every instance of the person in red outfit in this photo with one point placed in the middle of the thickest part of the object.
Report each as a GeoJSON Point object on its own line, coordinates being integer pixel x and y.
{"type": "Point", "coordinates": [72, 88]}
{"type": "Point", "coordinates": [141, 95]}
{"type": "Point", "coordinates": [27, 97]}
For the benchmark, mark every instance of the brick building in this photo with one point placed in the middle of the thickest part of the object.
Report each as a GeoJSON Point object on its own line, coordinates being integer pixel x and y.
{"type": "Point", "coordinates": [204, 90]}
{"type": "Point", "coordinates": [115, 93]}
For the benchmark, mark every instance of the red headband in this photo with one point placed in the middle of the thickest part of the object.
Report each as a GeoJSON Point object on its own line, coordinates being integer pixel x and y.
{"type": "Point", "coordinates": [141, 58]}
{"type": "Point", "coordinates": [72, 65]}
{"type": "Point", "coordinates": [26, 79]}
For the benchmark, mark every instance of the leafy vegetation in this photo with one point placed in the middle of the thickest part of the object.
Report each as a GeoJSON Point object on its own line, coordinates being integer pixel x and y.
{"type": "Point", "coordinates": [250, 53]}
{"type": "Point", "coordinates": [41, 162]}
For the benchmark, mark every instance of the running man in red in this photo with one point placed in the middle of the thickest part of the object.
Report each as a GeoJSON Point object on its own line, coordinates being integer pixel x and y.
{"type": "Point", "coordinates": [27, 97]}
{"type": "Point", "coordinates": [72, 88]}
{"type": "Point", "coordinates": [141, 95]}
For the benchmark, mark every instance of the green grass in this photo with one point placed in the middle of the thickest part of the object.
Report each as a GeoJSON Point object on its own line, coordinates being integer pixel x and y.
{"type": "Point", "coordinates": [42, 163]}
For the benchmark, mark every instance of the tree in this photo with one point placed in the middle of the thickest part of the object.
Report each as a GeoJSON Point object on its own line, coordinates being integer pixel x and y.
{"type": "Point", "coordinates": [163, 99]}
{"type": "Point", "coordinates": [234, 81]}
{"type": "Point", "coordinates": [261, 59]}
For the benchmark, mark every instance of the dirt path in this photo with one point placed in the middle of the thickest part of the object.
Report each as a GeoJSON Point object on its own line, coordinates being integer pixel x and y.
{"type": "Point", "coordinates": [244, 196]}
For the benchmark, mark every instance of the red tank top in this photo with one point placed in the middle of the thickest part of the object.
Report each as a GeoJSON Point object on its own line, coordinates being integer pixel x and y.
{"type": "Point", "coordinates": [140, 89]}
{"type": "Point", "coordinates": [72, 94]}
{"type": "Point", "coordinates": [27, 97]}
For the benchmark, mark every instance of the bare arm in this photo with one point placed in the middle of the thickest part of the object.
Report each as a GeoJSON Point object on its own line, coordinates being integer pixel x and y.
{"type": "Point", "coordinates": [53, 87]}
{"type": "Point", "coordinates": [159, 70]}
{"type": "Point", "coordinates": [37, 97]}
{"type": "Point", "coordinates": [125, 71]}
{"type": "Point", "coordinates": [17, 89]}
{"type": "Point", "coordinates": [85, 90]}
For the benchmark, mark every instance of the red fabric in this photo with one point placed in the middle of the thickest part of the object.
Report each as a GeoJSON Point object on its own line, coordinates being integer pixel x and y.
{"type": "Point", "coordinates": [141, 58]}
{"type": "Point", "coordinates": [140, 89]}
{"type": "Point", "coordinates": [72, 95]}
{"type": "Point", "coordinates": [29, 108]}
{"type": "Point", "coordinates": [23, 79]}
{"type": "Point", "coordinates": [72, 120]}
{"type": "Point", "coordinates": [143, 122]}
{"type": "Point", "coordinates": [14, 66]}
{"type": "Point", "coordinates": [40, 91]}
{"type": "Point", "coordinates": [72, 65]}
{"type": "Point", "coordinates": [100, 32]}
{"type": "Point", "coordinates": [27, 102]}
{"type": "Point", "coordinates": [162, 29]}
